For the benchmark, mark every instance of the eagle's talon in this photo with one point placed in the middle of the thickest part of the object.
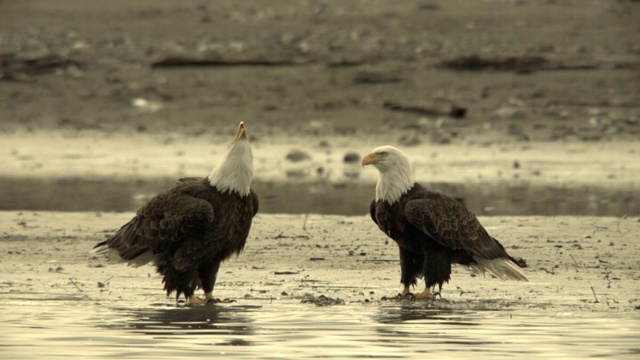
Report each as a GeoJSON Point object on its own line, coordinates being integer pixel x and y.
{"type": "Point", "coordinates": [409, 296]}
{"type": "Point", "coordinates": [392, 298]}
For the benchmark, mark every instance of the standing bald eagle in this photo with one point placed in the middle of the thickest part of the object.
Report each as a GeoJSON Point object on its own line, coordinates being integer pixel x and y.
{"type": "Point", "coordinates": [190, 228]}
{"type": "Point", "coordinates": [432, 230]}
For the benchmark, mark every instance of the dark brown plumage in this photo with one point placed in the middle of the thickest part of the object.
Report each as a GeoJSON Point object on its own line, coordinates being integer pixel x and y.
{"type": "Point", "coordinates": [190, 228]}
{"type": "Point", "coordinates": [432, 230]}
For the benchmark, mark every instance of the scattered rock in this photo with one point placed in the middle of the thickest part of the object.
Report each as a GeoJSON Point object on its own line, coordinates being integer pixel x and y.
{"type": "Point", "coordinates": [16, 68]}
{"type": "Point", "coordinates": [286, 273]}
{"type": "Point", "coordinates": [429, 6]}
{"type": "Point", "coordinates": [351, 158]}
{"type": "Point", "coordinates": [521, 262]}
{"type": "Point", "coordinates": [298, 156]}
{"type": "Point", "coordinates": [509, 112]}
{"type": "Point", "coordinates": [321, 300]}
{"type": "Point", "coordinates": [345, 130]}
{"type": "Point", "coordinates": [297, 173]}
{"type": "Point", "coordinates": [520, 64]}
{"type": "Point", "coordinates": [406, 140]}
{"type": "Point", "coordinates": [246, 60]}
{"type": "Point", "coordinates": [451, 110]}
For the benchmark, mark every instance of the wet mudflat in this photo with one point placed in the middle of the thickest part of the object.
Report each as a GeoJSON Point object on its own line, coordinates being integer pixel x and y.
{"type": "Point", "coordinates": [581, 301]}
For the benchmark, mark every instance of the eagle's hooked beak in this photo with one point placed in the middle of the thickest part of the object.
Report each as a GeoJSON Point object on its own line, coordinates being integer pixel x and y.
{"type": "Point", "coordinates": [241, 134]}
{"type": "Point", "coordinates": [370, 159]}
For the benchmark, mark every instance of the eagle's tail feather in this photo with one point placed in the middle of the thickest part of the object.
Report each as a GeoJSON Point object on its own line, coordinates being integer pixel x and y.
{"type": "Point", "coordinates": [143, 256]}
{"type": "Point", "coordinates": [502, 268]}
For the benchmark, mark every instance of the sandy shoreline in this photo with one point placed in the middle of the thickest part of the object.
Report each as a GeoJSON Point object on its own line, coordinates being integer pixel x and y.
{"type": "Point", "coordinates": [121, 156]}
{"type": "Point", "coordinates": [575, 263]}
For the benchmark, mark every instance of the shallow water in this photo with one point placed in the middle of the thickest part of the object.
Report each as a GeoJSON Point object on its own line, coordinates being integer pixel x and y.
{"type": "Point", "coordinates": [508, 198]}
{"type": "Point", "coordinates": [61, 328]}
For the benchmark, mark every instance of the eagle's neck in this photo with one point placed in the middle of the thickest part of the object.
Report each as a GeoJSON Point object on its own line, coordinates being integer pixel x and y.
{"type": "Point", "coordinates": [394, 183]}
{"type": "Point", "coordinates": [235, 171]}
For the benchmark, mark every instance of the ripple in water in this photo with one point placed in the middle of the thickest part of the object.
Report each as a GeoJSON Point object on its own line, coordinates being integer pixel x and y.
{"type": "Point", "coordinates": [288, 330]}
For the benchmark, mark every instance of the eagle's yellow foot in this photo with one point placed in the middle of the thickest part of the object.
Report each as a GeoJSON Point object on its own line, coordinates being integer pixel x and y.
{"type": "Point", "coordinates": [425, 295]}
{"type": "Point", "coordinates": [194, 300]}
{"type": "Point", "coordinates": [406, 294]}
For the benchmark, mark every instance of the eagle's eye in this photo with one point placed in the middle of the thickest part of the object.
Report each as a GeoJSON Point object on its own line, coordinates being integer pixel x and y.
{"type": "Point", "coordinates": [384, 154]}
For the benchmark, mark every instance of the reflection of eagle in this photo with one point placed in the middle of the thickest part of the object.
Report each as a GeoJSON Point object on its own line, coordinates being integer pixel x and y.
{"type": "Point", "coordinates": [190, 228]}
{"type": "Point", "coordinates": [432, 230]}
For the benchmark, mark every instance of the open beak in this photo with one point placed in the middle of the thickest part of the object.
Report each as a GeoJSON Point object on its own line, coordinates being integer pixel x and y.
{"type": "Point", "coordinates": [241, 134]}
{"type": "Point", "coordinates": [370, 159]}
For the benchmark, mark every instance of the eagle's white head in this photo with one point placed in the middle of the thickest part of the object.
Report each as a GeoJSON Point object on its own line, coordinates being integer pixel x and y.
{"type": "Point", "coordinates": [396, 177]}
{"type": "Point", "coordinates": [235, 171]}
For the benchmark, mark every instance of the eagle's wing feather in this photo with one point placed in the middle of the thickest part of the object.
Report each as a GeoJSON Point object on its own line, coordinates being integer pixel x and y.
{"type": "Point", "coordinates": [256, 202]}
{"type": "Point", "coordinates": [171, 216]}
{"type": "Point", "coordinates": [448, 222]}
{"type": "Point", "coordinates": [372, 211]}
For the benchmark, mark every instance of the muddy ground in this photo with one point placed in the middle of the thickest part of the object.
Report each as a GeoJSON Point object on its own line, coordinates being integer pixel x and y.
{"type": "Point", "coordinates": [524, 71]}
{"type": "Point", "coordinates": [541, 92]}
{"type": "Point", "coordinates": [574, 263]}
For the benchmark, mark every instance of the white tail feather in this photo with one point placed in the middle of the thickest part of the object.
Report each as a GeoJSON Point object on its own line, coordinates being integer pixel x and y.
{"type": "Point", "coordinates": [102, 250]}
{"type": "Point", "coordinates": [112, 254]}
{"type": "Point", "coordinates": [502, 268]}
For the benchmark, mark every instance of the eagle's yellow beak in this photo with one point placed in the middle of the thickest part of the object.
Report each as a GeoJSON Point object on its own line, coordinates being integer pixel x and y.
{"type": "Point", "coordinates": [241, 134]}
{"type": "Point", "coordinates": [370, 159]}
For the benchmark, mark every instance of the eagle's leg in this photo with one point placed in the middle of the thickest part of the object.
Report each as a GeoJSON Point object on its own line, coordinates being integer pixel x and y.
{"type": "Point", "coordinates": [410, 266]}
{"type": "Point", "coordinates": [192, 299]}
{"type": "Point", "coordinates": [208, 273]}
{"type": "Point", "coordinates": [182, 282]}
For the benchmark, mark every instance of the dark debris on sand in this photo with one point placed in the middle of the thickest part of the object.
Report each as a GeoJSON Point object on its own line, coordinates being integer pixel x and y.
{"type": "Point", "coordinates": [321, 300]}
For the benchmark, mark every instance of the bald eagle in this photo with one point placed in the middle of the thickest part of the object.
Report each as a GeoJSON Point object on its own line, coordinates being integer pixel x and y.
{"type": "Point", "coordinates": [432, 230]}
{"type": "Point", "coordinates": [187, 230]}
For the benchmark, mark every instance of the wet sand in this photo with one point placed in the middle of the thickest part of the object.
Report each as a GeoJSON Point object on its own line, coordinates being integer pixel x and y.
{"type": "Point", "coordinates": [569, 259]}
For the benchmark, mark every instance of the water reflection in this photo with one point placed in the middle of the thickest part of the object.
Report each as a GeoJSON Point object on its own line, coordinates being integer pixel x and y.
{"type": "Point", "coordinates": [420, 312]}
{"type": "Point", "coordinates": [350, 198]}
{"type": "Point", "coordinates": [187, 321]}
{"type": "Point", "coordinates": [290, 330]}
